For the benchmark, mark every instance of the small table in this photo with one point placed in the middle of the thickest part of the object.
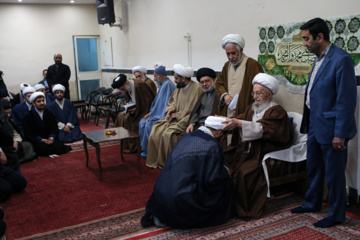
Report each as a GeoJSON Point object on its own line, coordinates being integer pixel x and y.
{"type": "Point", "coordinates": [99, 136]}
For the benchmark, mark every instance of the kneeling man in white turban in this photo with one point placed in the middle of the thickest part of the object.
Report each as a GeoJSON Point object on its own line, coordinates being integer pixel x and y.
{"type": "Point", "coordinates": [263, 127]}
{"type": "Point", "coordinates": [165, 132]}
{"type": "Point", "coordinates": [194, 189]}
{"type": "Point", "coordinates": [66, 116]}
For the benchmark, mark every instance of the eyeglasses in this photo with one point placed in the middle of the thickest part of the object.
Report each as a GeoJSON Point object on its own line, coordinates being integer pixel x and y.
{"type": "Point", "coordinates": [257, 94]}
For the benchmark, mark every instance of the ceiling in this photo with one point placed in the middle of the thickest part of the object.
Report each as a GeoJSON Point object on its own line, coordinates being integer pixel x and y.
{"type": "Point", "coordinates": [49, 1]}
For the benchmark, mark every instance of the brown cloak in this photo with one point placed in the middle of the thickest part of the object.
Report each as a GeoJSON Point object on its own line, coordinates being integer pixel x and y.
{"type": "Point", "coordinates": [247, 172]}
{"type": "Point", "coordinates": [144, 97]}
{"type": "Point", "coordinates": [152, 86]}
{"type": "Point", "coordinates": [245, 98]}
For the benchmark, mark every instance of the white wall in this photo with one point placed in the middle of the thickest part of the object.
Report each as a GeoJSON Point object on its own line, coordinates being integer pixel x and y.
{"type": "Point", "coordinates": [155, 29]}
{"type": "Point", "coordinates": [31, 34]}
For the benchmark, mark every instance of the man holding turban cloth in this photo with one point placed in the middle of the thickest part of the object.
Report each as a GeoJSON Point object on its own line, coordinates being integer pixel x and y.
{"type": "Point", "coordinates": [137, 92]}
{"type": "Point", "coordinates": [236, 76]}
{"type": "Point", "coordinates": [263, 127]}
{"type": "Point", "coordinates": [140, 74]}
{"type": "Point", "coordinates": [165, 132]}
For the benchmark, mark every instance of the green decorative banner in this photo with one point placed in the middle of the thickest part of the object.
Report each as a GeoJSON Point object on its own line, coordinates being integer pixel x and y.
{"type": "Point", "coordinates": [282, 54]}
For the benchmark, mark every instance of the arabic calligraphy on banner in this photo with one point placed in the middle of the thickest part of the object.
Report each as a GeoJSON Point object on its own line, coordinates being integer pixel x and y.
{"type": "Point", "coordinates": [282, 54]}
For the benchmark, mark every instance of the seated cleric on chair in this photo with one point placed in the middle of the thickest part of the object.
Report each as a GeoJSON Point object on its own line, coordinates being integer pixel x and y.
{"type": "Point", "coordinates": [263, 127]}
{"type": "Point", "coordinates": [194, 188]}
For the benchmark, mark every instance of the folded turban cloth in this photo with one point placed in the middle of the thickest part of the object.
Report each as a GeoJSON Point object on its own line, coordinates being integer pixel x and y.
{"type": "Point", "coordinates": [24, 85]}
{"type": "Point", "coordinates": [36, 95]}
{"type": "Point", "coordinates": [233, 38]}
{"type": "Point", "coordinates": [3, 93]}
{"type": "Point", "coordinates": [58, 87]}
{"type": "Point", "coordinates": [139, 69]}
{"type": "Point", "coordinates": [160, 70]}
{"type": "Point", "coordinates": [119, 81]}
{"type": "Point", "coordinates": [39, 86]}
{"type": "Point", "coordinates": [183, 71]}
{"type": "Point", "coordinates": [215, 122]}
{"type": "Point", "coordinates": [267, 81]}
{"type": "Point", "coordinates": [205, 72]}
{"type": "Point", "coordinates": [28, 90]}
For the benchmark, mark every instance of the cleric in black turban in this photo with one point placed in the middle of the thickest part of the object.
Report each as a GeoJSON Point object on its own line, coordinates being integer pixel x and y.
{"type": "Point", "coordinates": [205, 72]}
{"type": "Point", "coordinates": [119, 81]}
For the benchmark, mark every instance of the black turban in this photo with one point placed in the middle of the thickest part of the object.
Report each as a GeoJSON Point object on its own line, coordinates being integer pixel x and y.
{"type": "Point", "coordinates": [205, 72]}
{"type": "Point", "coordinates": [119, 81]}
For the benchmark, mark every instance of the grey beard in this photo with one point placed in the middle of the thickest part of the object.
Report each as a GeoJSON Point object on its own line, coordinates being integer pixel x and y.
{"type": "Point", "coordinates": [210, 89]}
{"type": "Point", "coordinates": [260, 107]}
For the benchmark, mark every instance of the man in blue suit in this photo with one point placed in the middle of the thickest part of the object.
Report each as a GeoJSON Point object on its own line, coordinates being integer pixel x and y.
{"type": "Point", "coordinates": [330, 101]}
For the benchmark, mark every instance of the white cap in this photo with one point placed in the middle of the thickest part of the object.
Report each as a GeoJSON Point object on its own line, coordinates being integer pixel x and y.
{"type": "Point", "coordinates": [267, 81]}
{"type": "Point", "coordinates": [58, 87]}
{"type": "Point", "coordinates": [36, 95]}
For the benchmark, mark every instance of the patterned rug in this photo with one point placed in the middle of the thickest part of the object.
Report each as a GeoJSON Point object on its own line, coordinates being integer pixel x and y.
{"type": "Point", "coordinates": [278, 223]}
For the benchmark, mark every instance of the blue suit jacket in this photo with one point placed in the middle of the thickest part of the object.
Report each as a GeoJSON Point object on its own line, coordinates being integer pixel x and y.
{"type": "Point", "coordinates": [332, 99]}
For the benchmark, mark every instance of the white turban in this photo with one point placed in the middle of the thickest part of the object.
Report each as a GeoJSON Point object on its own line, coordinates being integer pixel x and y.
{"type": "Point", "coordinates": [58, 87]}
{"type": "Point", "coordinates": [24, 85]}
{"type": "Point", "coordinates": [28, 90]}
{"type": "Point", "coordinates": [39, 86]}
{"type": "Point", "coordinates": [183, 71]}
{"type": "Point", "coordinates": [267, 81]}
{"type": "Point", "coordinates": [233, 38]}
{"type": "Point", "coordinates": [139, 69]}
{"type": "Point", "coordinates": [36, 95]}
{"type": "Point", "coordinates": [215, 122]}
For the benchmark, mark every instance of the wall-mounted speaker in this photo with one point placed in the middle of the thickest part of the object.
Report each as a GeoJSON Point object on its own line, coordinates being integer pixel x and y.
{"type": "Point", "coordinates": [105, 11]}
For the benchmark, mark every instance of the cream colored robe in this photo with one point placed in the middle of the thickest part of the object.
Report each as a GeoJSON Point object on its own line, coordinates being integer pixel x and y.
{"type": "Point", "coordinates": [164, 134]}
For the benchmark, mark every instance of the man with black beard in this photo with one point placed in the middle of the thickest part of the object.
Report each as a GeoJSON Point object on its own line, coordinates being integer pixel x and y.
{"type": "Point", "coordinates": [165, 132]}
{"type": "Point", "coordinates": [263, 127]}
{"type": "Point", "coordinates": [208, 103]}
{"type": "Point", "coordinates": [59, 73]}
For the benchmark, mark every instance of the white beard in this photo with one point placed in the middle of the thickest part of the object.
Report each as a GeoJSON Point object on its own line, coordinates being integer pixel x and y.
{"type": "Point", "coordinates": [257, 108]}
{"type": "Point", "coordinates": [210, 88]}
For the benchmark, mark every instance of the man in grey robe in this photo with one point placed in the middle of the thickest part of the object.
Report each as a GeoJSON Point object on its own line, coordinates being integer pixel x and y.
{"type": "Point", "coordinates": [208, 103]}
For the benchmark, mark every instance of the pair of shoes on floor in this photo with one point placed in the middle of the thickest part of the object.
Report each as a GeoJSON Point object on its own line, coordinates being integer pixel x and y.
{"type": "Point", "coordinates": [144, 154]}
{"type": "Point", "coordinates": [304, 210]}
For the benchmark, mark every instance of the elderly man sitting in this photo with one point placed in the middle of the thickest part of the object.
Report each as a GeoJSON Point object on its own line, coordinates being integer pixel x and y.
{"type": "Point", "coordinates": [194, 188]}
{"type": "Point", "coordinates": [263, 127]}
{"type": "Point", "coordinates": [157, 109]}
{"type": "Point", "coordinates": [140, 74]}
{"type": "Point", "coordinates": [66, 116]}
{"type": "Point", "coordinates": [165, 132]}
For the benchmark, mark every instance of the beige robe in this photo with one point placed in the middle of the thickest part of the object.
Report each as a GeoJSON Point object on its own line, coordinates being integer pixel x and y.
{"type": "Point", "coordinates": [164, 134]}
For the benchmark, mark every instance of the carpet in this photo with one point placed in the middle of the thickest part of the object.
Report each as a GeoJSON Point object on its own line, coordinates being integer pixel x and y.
{"type": "Point", "coordinates": [62, 192]}
{"type": "Point", "coordinates": [278, 223]}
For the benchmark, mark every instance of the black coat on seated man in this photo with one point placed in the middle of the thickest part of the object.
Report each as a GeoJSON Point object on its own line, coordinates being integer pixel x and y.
{"type": "Point", "coordinates": [39, 130]}
{"type": "Point", "coordinates": [194, 189]}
